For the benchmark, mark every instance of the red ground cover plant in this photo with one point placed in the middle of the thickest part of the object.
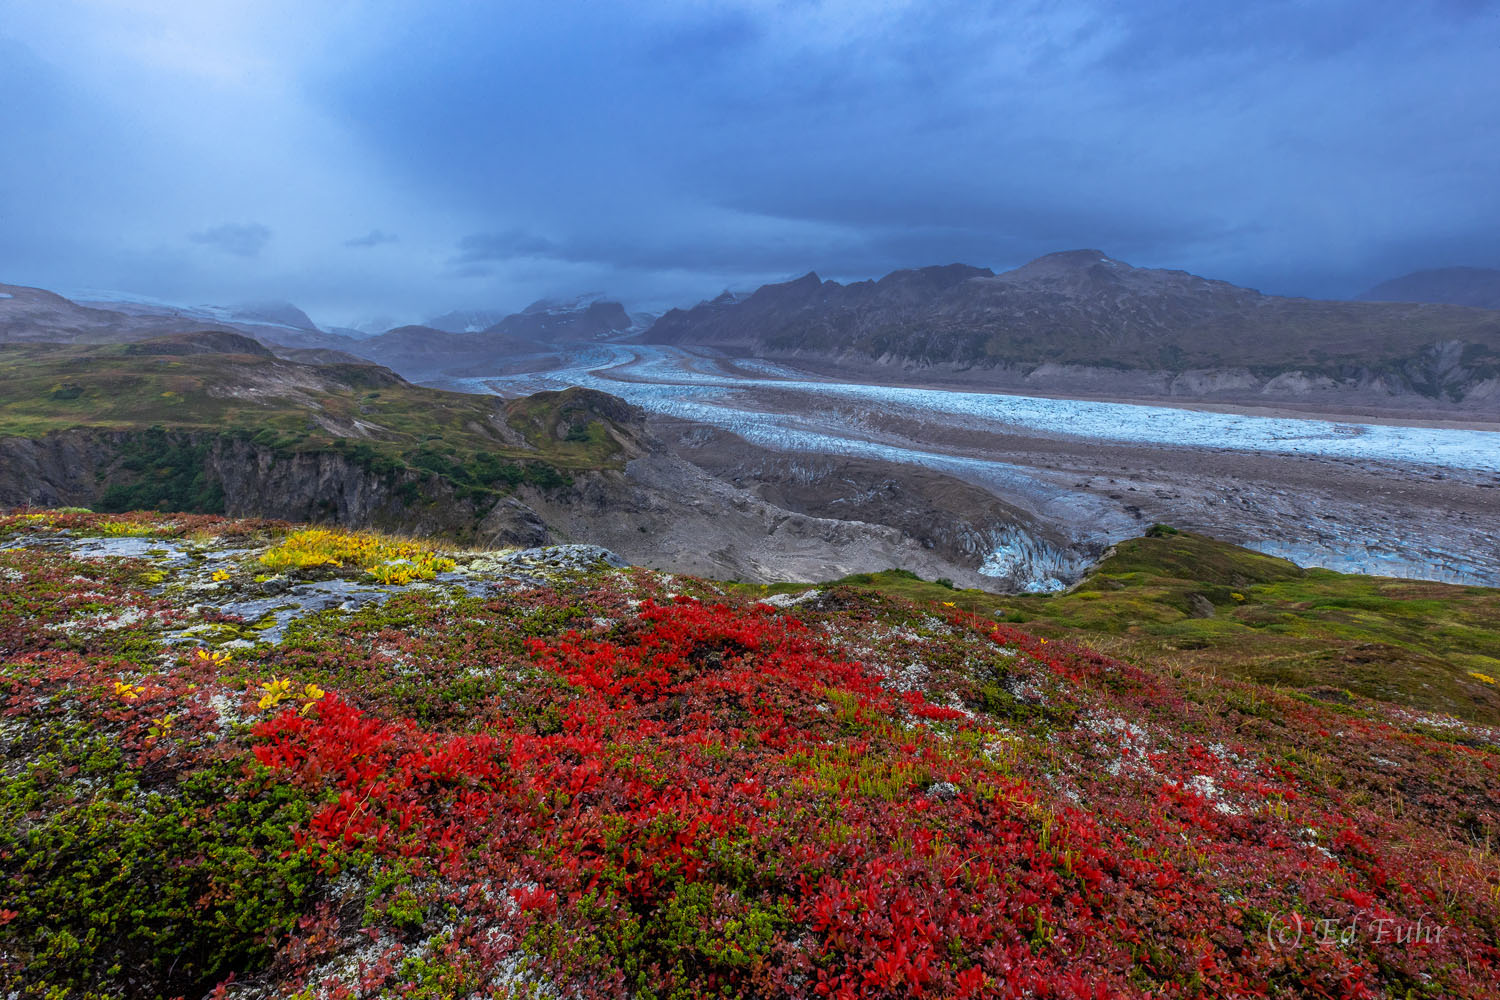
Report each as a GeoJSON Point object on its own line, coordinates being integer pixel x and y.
{"type": "Point", "coordinates": [664, 796]}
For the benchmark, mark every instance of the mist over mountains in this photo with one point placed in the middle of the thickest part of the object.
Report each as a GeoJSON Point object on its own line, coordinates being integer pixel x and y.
{"type": "Point", "coordinates": [1060, 315]}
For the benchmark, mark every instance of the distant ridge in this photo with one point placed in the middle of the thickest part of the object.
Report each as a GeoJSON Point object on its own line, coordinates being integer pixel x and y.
{"type": "Point", "coordinates": [1459, 286]}
{"type": "Point", "coordinates": [35, 315]}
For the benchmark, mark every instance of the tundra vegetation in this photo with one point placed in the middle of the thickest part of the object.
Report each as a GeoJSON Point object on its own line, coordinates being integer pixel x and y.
{"type": "Point", "coordinates": [604, 783]}
{"type": "Point", "coordinates": [163, 413]}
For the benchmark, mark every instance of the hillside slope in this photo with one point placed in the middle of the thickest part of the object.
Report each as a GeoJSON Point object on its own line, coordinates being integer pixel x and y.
{"type": "Point", "coordinates": [1198, 604]}
{"type": "Point", "coordinates": [423, 353]}
{"type": "Point", "coordinates": [1460, 286]}
{"type": "Point", "coordinates": [537, 775]}
{"type": "Point", "coordinates": [34, 315]}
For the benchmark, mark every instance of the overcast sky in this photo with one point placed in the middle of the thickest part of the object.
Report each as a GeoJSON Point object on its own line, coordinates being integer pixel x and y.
{"type": "Point", "coordinates": [396, 158]}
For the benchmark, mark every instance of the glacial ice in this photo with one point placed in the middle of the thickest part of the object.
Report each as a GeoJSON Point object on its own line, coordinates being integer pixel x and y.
{"type": "Point", "coordinates": [1035, 566]}
{"type": "Point", "coordinates": [663, 379]}
{"type": "Point", "coordinates": [842, 418]}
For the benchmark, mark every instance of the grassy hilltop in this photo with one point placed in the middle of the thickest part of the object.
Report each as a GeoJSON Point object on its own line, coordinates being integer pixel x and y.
{"type": "Point", "coordinates": [170, 398]}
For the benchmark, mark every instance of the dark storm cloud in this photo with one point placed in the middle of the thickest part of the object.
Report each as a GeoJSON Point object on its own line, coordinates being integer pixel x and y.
{"type": "Point", "coordinates": [480, 247]}
{"type": "Point", "coordinates": [241, 239]}
{"type": "Point", "coordinates": [1292, 144]}
{"type": "Point", "coordinates": [664, 150]}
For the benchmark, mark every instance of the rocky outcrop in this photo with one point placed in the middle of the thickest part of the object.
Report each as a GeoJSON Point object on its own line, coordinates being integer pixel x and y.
{"type": "Point", "coordinates": [515, 523]}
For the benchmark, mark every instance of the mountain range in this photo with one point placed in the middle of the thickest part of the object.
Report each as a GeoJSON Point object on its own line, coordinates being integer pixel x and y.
{"type": "Point", "coordinates": [1082, 308]}
{"type": "Point", "coordinates": [34, 315]}
{"type": "Point", "coordinates": [426, 352]}
{"type": "Point", "coordinates": [1077, 321]}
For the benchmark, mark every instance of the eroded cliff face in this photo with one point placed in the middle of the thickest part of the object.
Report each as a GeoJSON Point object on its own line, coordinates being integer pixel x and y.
{"type": "Point", "coordinates": [993, 544]}
{"type": "Point", "coordinates": [79, 468]}
{"type": "Point", "coordinates": [328, 486]}
{"type": "Point", "coordinates": [57, 470]}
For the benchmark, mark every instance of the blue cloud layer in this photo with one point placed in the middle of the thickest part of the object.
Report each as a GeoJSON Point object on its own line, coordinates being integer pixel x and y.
{"type": "Point", "coordinates": [665, 150]}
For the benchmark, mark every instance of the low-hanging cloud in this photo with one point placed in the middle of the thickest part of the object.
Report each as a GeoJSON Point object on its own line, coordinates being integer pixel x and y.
{"type": "Point", "coordinates": [374, 238]}
{"type": "Point", "coordinates": [240, 239]}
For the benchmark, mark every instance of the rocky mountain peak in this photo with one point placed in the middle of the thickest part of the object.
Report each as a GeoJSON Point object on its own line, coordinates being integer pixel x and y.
{"type": "Point", "coordinates": [1067, 263]}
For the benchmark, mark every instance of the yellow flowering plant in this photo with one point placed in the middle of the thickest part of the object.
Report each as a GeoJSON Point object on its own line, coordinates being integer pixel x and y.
{"type": "Point", "coordinates": [215, 657]}
{"type": "Point", "coordinates": [279, 689]}
{"type": "Point", "coordinates": [276, 691]}
{"type": "Point", "coordinates": [311, 695]}
{"type": "Point", "coordinates": [387, 559]}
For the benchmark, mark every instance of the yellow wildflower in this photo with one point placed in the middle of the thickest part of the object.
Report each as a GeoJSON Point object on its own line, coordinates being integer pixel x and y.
{"type": "Point", "coordinates": [128, 692]}
{"type": "Point", "coordinates": [947, 604]}
{"type": "Point", "coordinates": [220, 575]}
{"type": "Point", "coordinates": [275, 690]}
{"type": "Point", "coordinates": [388, 560]}
{"type": "Point", "coordinates": [214, 656]}
{"type": "Point", "coordinates": [311, 695]}
{"type": "Point", "coordinates": [1482, 678]}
